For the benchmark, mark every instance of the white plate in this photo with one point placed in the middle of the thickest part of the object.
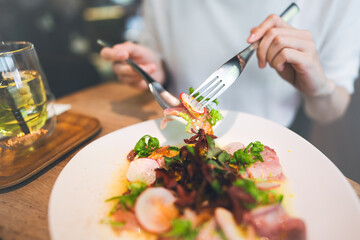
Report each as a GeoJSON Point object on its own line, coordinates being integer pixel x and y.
{"type": "Point", "coordinates": [319, 194]}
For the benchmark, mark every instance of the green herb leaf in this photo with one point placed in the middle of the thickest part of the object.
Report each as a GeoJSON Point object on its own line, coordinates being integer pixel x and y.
{"type": "Point", "coordinates": [224, 156]}
{"type": "Point", "coordinates": [111, 222]}
{"type": "Point", "coordinates": [250, 154]}
{"type": "Point", "coordinates": [128, 200]}
{"type": "Point", "coordinates": [216, 186]}
{"type": "Point", "coordinates": [262, 197]}
{"type": "Point", "coordinates": [182, 229]}
{"type": "Point", "coordinates": [242, 169]}
{"type": "Point", "coordinates": [214, 163]}
{"type": "Point", "coordinates": [215, 116]}
{"type": "Point", "coordinates": [211, 147]}
{"type": "Point", "coordinates": [171, 160]}
{"type": "Point", "coordinates": [188, 119]}
{"type": "Point", "coordinates": [145, 146]}
{"type": "Point", "coordinates": [191, 149]}
{"type": "Point", "coordinates": [174, 148]}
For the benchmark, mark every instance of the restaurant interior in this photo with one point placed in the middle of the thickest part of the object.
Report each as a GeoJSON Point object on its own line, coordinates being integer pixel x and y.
{"type": "Point", "coordinates": [64, 33]}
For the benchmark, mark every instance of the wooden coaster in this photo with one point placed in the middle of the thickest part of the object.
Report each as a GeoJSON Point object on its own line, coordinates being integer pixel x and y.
{"type": "Point", "coordinates": [71, 130]}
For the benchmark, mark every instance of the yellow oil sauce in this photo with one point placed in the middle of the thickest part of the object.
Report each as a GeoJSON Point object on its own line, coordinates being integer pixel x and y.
{"type": "Point", "coordinates": [288, 197]}
{"type": "Point", "coordinates": [116, 186]}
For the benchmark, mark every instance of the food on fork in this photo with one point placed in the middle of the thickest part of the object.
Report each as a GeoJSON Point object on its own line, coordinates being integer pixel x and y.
{"type": "Point", "coordinates": [201, 191]}
{"type": "Point", "coordinates": [196, 119]}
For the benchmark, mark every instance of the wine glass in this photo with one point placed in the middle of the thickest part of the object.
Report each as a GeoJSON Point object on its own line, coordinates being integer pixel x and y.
{"type": "Point", "coordinates": [27, 114]}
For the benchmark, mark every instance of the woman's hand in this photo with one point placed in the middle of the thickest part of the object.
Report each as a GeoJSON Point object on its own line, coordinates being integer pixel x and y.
{"type": "Point", "coordinates": [143, 56]}
{"type": "Point", "coordinates": [293, 54]}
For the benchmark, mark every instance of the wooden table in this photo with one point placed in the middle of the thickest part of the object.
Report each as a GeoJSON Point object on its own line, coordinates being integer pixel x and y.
{"type": "Point", "coordinates": [24, 208]}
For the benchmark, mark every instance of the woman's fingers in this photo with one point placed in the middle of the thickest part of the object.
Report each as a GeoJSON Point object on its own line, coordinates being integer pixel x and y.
{"type": "Point", "coordinates": [288, 56]}
{"type": "Point", "coordinates": [124, 69]}
{"type": "Point", "coordinates": [143, 56]}
{"type": "Point", "coordinates": [126, 74]}
{"type": "Point", "coordinates": [140, 85]}
{"type": "Point", "coordinates": [291, 52]}
{"type": "Point", "coordinates": [123, 51]}
{"type": "Point", "coordinates": [277, 38]}
{"type": "Point", "coordinates": [272, 21]}
{"type": "Point", "coordinates": [282, 42]}
{"type": "Point", "coordinates": [300, 69]}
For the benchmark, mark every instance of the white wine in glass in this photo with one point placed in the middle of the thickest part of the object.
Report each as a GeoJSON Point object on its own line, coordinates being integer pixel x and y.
{"type": "Point", "coordinates": [26, 113]}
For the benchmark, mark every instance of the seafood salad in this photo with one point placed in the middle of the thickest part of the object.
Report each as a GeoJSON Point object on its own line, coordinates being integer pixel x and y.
{"type": "Point", "coordinates": [200, 190]}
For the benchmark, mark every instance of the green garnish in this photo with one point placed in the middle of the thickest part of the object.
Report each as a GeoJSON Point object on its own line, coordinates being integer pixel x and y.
{"type": "Point", "coordinates": [190, 149]}
{"type": "Point", "coordinates": [109, 221]}
{"type": "Point", "coordinates": [215, 115]}
{"type": "Point", "coordinates": [262, 197]}
{"type": "Point", "coordinates": [250, 154]}
{"type": "Point", "coordinates": [128, 200]}
{"type": "Point", "coordinates": [224, 156]}
{"type": "Point", "coordinates": [145, 146]}
{"type": "Point", "coordinates": [182, 229]}
{"type": "Point", "coordinates": [187, 119]}
{"type": "Point", "coordinates": [171, 160]}
{"type": "Point", "coordinates": [174, 148]}
{"type": "Point", "coordinates": [215, 184]}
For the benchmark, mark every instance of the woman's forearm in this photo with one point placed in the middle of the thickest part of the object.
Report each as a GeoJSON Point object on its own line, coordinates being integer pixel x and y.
{"type": "Point", "coordinates": [327, 107]}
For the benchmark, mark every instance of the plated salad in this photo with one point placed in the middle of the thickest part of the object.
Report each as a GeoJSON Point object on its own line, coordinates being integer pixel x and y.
{"type": "Point", "coordinates": [200, 190]}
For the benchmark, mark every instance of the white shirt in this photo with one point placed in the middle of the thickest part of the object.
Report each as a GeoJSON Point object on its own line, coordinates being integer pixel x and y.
{"type": "Point", "coordinates": [195, 37]}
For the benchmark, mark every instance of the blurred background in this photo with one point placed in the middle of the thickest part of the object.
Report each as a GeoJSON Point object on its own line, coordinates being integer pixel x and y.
{"type": "Point", "coordinates": [64, 33]}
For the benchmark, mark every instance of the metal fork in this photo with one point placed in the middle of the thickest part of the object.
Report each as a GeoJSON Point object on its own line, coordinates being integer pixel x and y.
{"type": "Point", "coordinates": [163, 97]}
{"type": "Point", "coordinates": [225, 76]}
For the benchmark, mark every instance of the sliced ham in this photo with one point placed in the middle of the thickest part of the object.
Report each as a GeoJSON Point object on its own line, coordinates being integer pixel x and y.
{"type": "Point", "coordinates": [269, 170]}
{"type": "Point", "coordinates": [226, 221]}
{"type": "Point", "coordinates": [128, 218]}
{"type": "Point", "coordinates": [233, 147]}
{"type": "Point", "coordinates": [274, 223]}
{"type": "Point", "coordinates": [195, 123]}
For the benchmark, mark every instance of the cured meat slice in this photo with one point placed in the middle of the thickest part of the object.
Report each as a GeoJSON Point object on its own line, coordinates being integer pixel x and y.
{"type": "Point", "coordinates": [233, 147]}
{"type": "Point", "coordinates": [225, 219]}
{"type": "Point", "coordinates": [194, 123]}
{"type": "Point", "coordinates": [274, 223]}
{"type": "Point", "coordinates": [269, 170]}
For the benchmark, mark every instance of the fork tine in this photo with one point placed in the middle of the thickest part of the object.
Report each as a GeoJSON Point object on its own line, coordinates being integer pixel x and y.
{"type": "Point", "coordinates": [220, 89]}
{"type": "Point", "coordinates": [211, 86]}
{"type": "Point", "coordinates": [209, 80]}
{"type": "Point", "coordinates": [212, 92]}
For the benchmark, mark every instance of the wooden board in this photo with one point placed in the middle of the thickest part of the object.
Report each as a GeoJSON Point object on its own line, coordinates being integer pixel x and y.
{"type": "Point", "coordinates": [71, 130]}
